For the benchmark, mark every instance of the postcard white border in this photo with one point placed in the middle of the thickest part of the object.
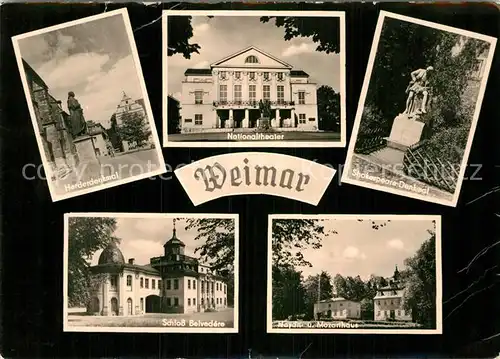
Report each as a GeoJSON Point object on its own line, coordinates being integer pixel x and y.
{"type": "Point", "coordinates": [262, 144]}
{"type": "Point", "coordinates": [69, 328]}
{"type": "Point", "coordinates": [396, 217]}
{"type": "Point", "coordinates": [123, 12]}
{"type": "Point", "coordinates": [361, 104]}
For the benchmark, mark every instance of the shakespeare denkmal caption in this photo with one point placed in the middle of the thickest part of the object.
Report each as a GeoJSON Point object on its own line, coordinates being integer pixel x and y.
{"type": "Point", "coordinates": [214, 177]}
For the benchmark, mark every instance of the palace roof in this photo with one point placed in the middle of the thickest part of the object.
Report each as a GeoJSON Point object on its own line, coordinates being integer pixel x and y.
{"type": "Point", "coordinates": [111, 255]}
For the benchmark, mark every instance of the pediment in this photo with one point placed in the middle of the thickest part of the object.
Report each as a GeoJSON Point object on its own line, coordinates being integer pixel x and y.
{"type": "Point", "coordinates": [242, 58]}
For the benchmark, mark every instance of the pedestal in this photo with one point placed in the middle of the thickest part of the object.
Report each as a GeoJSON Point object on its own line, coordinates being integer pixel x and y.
{"type": "Point", "coordinates": [105, 311]}
{"type": "Point", "coordinates": [120, 311]}
{"type": "Point", "coordinates": [85, 149]}
{"type": "Point", "coordinates": [405, 132]}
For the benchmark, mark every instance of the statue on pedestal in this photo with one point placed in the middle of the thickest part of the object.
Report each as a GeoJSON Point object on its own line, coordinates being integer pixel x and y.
{"type": "Point", "coordinates": [76, 119]}
{"type": "Point", "coordinates": [419, 86]}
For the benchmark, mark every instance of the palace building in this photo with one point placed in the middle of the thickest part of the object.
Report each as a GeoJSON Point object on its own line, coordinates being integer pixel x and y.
{"type": "Point", "coordinates": [388, 302]}
{"type": "Point", "coordinates": [172, 283]}
{"type": "Point", "coordinates": [226, 95]}
{"type": "Point", "coordinates": [338, 308]}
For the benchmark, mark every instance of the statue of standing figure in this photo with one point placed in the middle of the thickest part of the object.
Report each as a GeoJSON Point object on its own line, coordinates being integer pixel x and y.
{"type": "Point", "coordinates": [419, 85]}
{"type": "Point", "coordinates": [77, 121]}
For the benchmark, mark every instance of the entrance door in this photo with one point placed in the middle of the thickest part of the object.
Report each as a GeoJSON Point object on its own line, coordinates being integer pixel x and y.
{"type": "Point", "coordinates": [393, 314]}
{"type": "Point", "coordinates": [129, 306]}
{"type": "Point", "coordinates": [114, 306]}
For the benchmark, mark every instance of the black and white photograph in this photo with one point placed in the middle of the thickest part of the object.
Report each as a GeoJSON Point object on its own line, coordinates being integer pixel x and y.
{"type": "Point", "coordinates": [354, 274]}
{"type": "Point", "coordinates": [88, 103]}
{"type": "Point", "coordinates": [161, 273]}
{"type": "Point", "coordinates": [254, 78]}
{"type": "Point", "coordinates": [418, 109]}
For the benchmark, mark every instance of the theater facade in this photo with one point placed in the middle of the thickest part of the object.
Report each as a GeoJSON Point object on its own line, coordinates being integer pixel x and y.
{"type": "Point", "coordinates": [225, 96]}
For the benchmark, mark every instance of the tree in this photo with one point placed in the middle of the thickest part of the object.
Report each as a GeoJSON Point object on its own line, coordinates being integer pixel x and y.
{"type": "Point", "coordinates": [292, 235]}
{"type": "Point", "coordinates": [173, 116]}
{"type": "Point", "coordinates": [134, 128]}
{"type": "Point", "coordinates": [328, 108]}
{"type": "Point", "coordinates": [350, 288]}
{"type": "Point", "coordinates": [218, 249]}
{"type": "Point", "coordinates": [324, 31]}
{"type": "Point", "coordinates": [179, 32]}
{"type": "Point", "coordinates": [86, 235]}
{"type": "Point", "coordinates": [318, 284]}
{"type": "Point", "coordinates": [287, 292]}
{"type": "Point", "coordinates": [420, 278]}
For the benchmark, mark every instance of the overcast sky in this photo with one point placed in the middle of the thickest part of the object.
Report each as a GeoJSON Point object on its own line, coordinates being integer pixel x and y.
{"type": "Point", "coordinates": [222, 36]}
{"type": "Point", "coordinates": [94, 60]}
{"type": "Point", "coordinates": [358, 249]}
{"type": "Point", "coordinates": [143, 238]}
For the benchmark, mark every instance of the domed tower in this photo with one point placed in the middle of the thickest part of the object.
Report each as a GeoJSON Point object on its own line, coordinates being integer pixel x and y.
{"type": "Point", "coordinates": [111, 255]}
{"type": "Point", "coordinates": [174, 247]}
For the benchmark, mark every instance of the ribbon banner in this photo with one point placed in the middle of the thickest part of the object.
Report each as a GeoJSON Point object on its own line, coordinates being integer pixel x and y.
{"type": "Point", "coordinates": [255, 173]}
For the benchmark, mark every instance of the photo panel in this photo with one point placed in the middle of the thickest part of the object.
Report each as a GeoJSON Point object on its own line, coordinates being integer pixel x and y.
{"type": "Point", "coordinates": [88, 104]}
{"type": "Point", "coordinates": [418, 109]}
{"type": "Point", "coordinates": [242, 81]}
{"type": "Point", "coordinates": [354, 274]}
{"type": "Point", "coordinates": [145, 272]}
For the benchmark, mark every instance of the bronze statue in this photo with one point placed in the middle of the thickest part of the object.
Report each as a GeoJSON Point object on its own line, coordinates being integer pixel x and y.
{"type": "Point", "coordinates": [78, 124]}
{"type": "Point", "coordinates": [419, 85]}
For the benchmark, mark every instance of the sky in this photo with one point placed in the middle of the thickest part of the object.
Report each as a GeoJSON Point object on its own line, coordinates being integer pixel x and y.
{"type": "Point", "coordinates": [94, 60]}
{"type": "Point", "coordinates": [222, 36]}
{"type": "Point", "coordinates": [358, 249]}
{"type": "Point", "coordinates": [143, 238]}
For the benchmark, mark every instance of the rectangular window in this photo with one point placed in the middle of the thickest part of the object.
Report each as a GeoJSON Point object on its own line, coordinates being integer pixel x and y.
{"type": "Point", "coordinates": [252, 93]}
{"type": "Point", "coordinates": [189, 302]}
{"type": "Point", "coordinates": [266, 92]}
{"type": "Point", "coordinates": [176, 284]}
{"type": "Point", "coordinates": [189, 283]}
{"type": "Point", "coordinates": [216, 286]}
{"type": "Point", "coordinates": [225, 286]}
{"type": "Point", "coordinates": [198, 119]}
{"type": "Point", "coordinates": [147, 283]}
{"type": "Point", "coordinates": [223, 93]}
{"type": "Point", "coordinates": [129, 281]}
{"type": "Point", "coordinates": [169, 302]}
{"type": "Point", "coordinates": [302, 119]}
{"type": "Point", "coordinates": [237, 75]}
{"type": "Point", "coordinates": [203, 286]}
{"type": "Point", "coordinates": [281, 94]}
{"type": "Point", "coordinates": [198, 97]}
{"type": "Point", "coordinates": [280, 76]}
{"type": "Point", "coordinates": [266, 76]}
{"type": "Point", "coordinates": [237, 93]}
{"type": "Point", "coordinates": [142, 282]}
{"type": "Point", "coordinates": [212, 287]}
{"type": "Point", "coordinates": [302, 97]}
{"type": "Point", "coordinates": [169, 284]}
{"type": "Point", "coordinates": [312, 119]}
{"type": "Point", "coordinates": [251, 75]}
{"type": "Point", "coordinates": [176, 302]}
{"type": "Point", "coordinates": [159, 284]}
{"type": "Point", "coordinates": [113, 281]}
{"type": "Point", "coordinates": [223, 75]}
{"type": "Point", "coordinates": [153, 284]}
{"type": "Point", "coordinates": [194, 283]}
{"type": "Point", "coordinates": [188, 120]}
{"type": "Point", "coordinates": [194, 301]}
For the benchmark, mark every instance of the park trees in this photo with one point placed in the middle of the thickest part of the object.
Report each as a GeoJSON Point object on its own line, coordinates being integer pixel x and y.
{"type": "Point", "coordinates": [328, 108]}
{"type": "Point", "coordinates": [134, 128]}
{"type": "Point", "coordinates": [86, 235]}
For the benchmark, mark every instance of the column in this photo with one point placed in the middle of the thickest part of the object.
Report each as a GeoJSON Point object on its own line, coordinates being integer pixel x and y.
{"type": "Point", "coordinates": [277, 118]}
{"type": "Point", "coordinates": [292, 119]}
{"type": "Point", "coordinates": [105, 300]}
{"type": "Point", "coordinates": [246, 120]}
{"type": "Point", "coordinates": [121, 293]}
{"type": "Point", "coordinates": [231, 121]}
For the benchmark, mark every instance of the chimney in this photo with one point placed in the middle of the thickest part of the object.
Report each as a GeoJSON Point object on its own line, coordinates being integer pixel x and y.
{"type": "Point", "coordinates": [131, 261]}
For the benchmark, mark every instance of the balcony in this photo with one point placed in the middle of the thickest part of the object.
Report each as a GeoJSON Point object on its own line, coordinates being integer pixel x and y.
{"type": "Point", "coordinates": [251, 104]}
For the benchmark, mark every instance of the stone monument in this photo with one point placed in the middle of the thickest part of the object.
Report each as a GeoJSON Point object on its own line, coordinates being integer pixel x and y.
{"type": "Point", "coordinates": [264, 122]}
{"type": "Point", "coordinates": [78, 126]}
{"type": "Point", "coordinates": [407, 127]}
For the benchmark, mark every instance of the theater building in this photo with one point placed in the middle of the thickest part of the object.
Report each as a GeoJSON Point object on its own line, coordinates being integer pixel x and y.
{"type": "Point", "coordinates": [172, 283]}
{"type": "Point", "coordinates": [226, 95]}
{"type": "Point", "coordinates": [338, 308]}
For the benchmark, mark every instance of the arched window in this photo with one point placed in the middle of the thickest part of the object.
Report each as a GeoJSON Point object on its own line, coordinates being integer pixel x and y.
{"type": "Point", "coordinates": [251, 60]}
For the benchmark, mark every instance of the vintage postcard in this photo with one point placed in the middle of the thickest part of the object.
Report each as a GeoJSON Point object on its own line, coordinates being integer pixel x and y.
{"type": "Point", "coordinates": [254, 78]}
{"type": "Point", "coordinates": [88, 104]}
{"type": "Point", "coordinates": [354, 274]}
{"type": "Point", "coordinates": [418, 109]}
{"type": "Point", "coordinates": [144, 272]}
